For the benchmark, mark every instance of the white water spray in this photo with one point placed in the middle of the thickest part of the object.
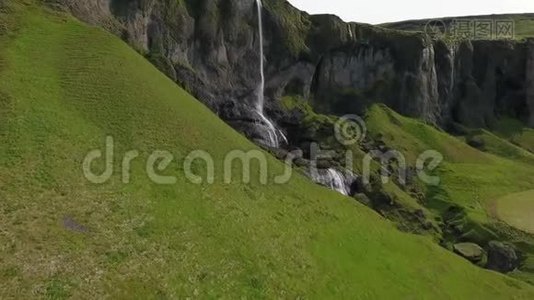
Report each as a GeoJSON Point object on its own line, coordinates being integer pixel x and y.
{"type": "Point", "coordinates": [273, 132]}
{"type": "Point", "coordinates": [332, 179]}
{"type": "Point", "coordinates": [338, 182]}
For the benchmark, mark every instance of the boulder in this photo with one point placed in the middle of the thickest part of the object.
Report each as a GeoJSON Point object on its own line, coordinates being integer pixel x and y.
{"type": "Point", "coordinates": [476, 142]}
{"type": "Point", "coordinates": [470, 251]}
{"type": "Point", "coordinates": [502, 257]}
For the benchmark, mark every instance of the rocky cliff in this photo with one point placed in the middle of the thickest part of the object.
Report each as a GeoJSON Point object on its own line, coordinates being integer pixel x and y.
{"type": "Point", "coordinates": [210, 47]}
{"type": "Point", "coordinates": [530, 82]}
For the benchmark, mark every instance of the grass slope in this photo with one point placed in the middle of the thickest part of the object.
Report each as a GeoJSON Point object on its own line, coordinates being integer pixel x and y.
{"type": "Point", "coordinates": [470, 178]}
{"type": "Point", "coordinates": [516, 132]}
{"type": "Point", "coordinates": [65, 87]}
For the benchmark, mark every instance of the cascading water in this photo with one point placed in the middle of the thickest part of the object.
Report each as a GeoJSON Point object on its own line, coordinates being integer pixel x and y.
{"type": "Point", "coordinates": [338, 182]}
{"type": "Point", "coordinates": [332, 179]}
{"type": "Point", "coordinates": [273, 133]}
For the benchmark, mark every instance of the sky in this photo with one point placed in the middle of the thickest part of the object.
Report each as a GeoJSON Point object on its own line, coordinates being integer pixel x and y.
{"type": "Point", "coordinates": [383, 11]}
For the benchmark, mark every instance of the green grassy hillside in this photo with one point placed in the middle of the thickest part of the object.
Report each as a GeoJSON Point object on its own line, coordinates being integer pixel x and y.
{"type": "Point", "coordinates": [64, 87]}
{"type": "Point", "coordinates": [516, 132]}
{"type": "Point", "coordinates": [472, 179]}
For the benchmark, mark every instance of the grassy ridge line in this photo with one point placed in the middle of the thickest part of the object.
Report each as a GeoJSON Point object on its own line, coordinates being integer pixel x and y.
{"type": "Point", "coordinates": [523, 23]}
{"type": "Point", "coordinates": [515, 132]}
{"type": "Point", "coordinates": [69, 86]}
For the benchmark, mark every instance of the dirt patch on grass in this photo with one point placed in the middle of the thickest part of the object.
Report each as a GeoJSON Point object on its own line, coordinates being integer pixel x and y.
{"type": "Point", "coordinates": [516, 210]}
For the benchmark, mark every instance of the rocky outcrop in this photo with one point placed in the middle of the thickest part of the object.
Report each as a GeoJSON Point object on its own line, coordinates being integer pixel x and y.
{"type": "Point", "coordinates": [502, 257]}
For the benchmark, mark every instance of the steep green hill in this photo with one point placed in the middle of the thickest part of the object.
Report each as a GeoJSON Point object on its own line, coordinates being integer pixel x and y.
{"type": "Point", "coordinates": [65, 87]}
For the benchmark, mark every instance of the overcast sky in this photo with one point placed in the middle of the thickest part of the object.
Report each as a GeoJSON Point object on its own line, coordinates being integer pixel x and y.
{"type": "Point", "coordinates": [382, 11]}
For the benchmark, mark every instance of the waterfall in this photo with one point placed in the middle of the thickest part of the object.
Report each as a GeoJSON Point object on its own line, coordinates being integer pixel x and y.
{"type": "Point", "coordinates": [338, 182]}
{"type": "Point", "coordinates": [332, 179]}
{"type": "Point", "coordinates": [261, 88]}
{"type": "Point", "coordinates": [274, 134]}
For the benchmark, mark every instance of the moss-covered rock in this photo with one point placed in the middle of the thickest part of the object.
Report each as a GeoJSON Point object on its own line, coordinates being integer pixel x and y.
{"type": "Point", "coordinates": [472, 252]}
{"type": "Point", "coordinates": [290, 25]}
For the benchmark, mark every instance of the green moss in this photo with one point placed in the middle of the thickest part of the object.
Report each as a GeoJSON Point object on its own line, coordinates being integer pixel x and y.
{"type": "Point", "coordinates": [294, 25]}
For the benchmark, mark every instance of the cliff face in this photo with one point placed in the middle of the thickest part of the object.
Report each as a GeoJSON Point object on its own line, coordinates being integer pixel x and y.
{"type": "Point", "coordinates": [530, 83]}
{"type": "Point", "coordinates": [379, 66]}
{"type": "Point", "coordinates": [211, 48]}
{"type": "Point", "coordinates": [472, 83]}
{"type": "Point", "coordinates": [489, 82]}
